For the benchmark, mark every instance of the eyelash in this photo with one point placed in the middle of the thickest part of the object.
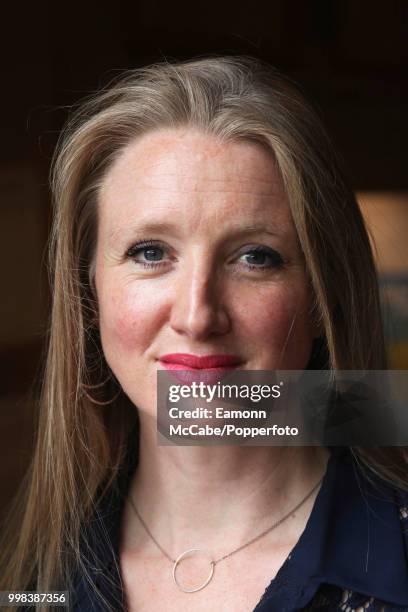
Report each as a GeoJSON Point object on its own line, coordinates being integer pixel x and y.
{"type": "Point", "coordinates": [139, 247]}
{"type": "Point", "coordinates": [134, 250]}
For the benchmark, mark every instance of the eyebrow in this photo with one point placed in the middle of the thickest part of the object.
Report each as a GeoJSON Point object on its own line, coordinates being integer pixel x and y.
{"type": "Point", "coordinates": [132, 232]}
{"type": "Point", "coordinates": [170, 228]}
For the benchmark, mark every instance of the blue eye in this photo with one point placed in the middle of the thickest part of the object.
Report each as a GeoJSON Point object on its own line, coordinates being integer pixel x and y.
{"type": "Point", "coordinates": [263, 257]}
{"type": "Point", "coordinates": [153, 254]}
{"type": "Point", "coordinates": [151, 251]}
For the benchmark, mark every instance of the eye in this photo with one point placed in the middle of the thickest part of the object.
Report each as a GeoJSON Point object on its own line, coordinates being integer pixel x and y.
{"type": "Point", "coordinates": [261, 257]}
{"type": "Point", "coordinates": [149, 253]}
{"type": "Point", "coordinates": [152, 254]}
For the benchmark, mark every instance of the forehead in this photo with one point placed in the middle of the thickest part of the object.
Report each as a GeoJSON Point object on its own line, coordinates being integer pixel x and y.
{"type": "Point", "coordinates": [186, 173]}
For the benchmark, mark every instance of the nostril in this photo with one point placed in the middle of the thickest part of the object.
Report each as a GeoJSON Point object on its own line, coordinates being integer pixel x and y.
{"type": "Point", "coordinates": [201, 322]}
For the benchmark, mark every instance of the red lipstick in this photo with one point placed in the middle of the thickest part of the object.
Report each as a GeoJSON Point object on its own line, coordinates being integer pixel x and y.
{"type": "Point", "coordinates": [189, 368]}
{"type": "Point", "coordinates": [201, 362]}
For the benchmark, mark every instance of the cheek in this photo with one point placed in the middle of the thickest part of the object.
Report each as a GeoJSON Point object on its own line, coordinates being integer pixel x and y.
{"type": "Point", "coordinates": [277, 323]}
{"type": "Point", "coordinates": [128, 318]}
{"type": "Point", "coordinates": [269, 317]}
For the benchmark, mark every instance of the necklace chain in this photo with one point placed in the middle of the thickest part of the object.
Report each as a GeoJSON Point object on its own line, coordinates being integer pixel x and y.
{"type": "Point", "coordinates": [260, 535]}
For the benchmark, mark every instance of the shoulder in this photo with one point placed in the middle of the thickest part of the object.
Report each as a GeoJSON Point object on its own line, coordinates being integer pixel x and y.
{"type": "Point", "coordinates": [96, 585]}
{"type": "Point", "coordinates": [368, 542]}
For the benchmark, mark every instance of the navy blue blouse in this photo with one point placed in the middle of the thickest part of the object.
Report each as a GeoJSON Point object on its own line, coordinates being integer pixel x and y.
{"type": "Point", "coordinates": [352, 555]}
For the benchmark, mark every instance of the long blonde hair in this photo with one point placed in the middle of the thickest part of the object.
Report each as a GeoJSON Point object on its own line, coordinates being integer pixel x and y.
{"type": "Point", "coordinates": [81, 445]}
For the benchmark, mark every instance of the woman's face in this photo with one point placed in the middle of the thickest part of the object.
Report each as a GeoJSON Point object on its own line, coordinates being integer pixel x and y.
{"type": "Point", "coordinates": [197, 253]}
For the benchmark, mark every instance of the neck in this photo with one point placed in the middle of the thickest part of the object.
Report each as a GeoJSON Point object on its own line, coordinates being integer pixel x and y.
{"type": "Point", "coordinates": [220, 496]}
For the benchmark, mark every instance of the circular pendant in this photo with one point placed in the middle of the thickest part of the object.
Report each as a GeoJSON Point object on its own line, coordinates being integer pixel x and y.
{"type": "Point", "coordinates": [179, 559]}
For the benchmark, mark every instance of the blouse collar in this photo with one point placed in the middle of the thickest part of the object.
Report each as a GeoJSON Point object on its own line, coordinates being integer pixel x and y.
{"type": "Point", "coordinates": [353, 539]}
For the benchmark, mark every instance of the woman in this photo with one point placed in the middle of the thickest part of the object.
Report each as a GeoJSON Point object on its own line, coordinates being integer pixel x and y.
{"type": "Point", "coordinates": [202, 221]}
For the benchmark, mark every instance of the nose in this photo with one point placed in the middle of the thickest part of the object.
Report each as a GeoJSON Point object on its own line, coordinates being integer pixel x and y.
{"type": "Point", "coordinates": [198, 308]}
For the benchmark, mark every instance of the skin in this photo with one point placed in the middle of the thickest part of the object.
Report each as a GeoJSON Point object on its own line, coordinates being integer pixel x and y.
{"type": "Point", "coordinates": [203, 298]}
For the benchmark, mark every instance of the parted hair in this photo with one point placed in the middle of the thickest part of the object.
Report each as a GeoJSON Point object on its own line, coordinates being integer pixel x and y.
{"type": "Point", "coordinates": [84, 417]}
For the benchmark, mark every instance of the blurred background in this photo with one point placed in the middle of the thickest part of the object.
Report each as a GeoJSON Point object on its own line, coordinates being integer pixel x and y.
{"type": "Point", "coordinates": [351, 59]}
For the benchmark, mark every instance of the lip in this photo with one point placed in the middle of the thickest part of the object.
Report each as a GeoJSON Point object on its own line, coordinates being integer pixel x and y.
{"type": "Point", "coordinates": [200, 362]}
{"type": "Point", "coordinates": [187, 368]}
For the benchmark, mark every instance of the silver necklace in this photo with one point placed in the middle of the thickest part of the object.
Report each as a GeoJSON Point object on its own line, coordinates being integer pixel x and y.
{"type": "Point", "coordinates": [213, 562]}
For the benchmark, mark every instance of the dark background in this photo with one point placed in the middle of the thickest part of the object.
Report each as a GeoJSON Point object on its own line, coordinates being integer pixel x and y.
{"type": "Point", "coordinates": [350, 57]}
